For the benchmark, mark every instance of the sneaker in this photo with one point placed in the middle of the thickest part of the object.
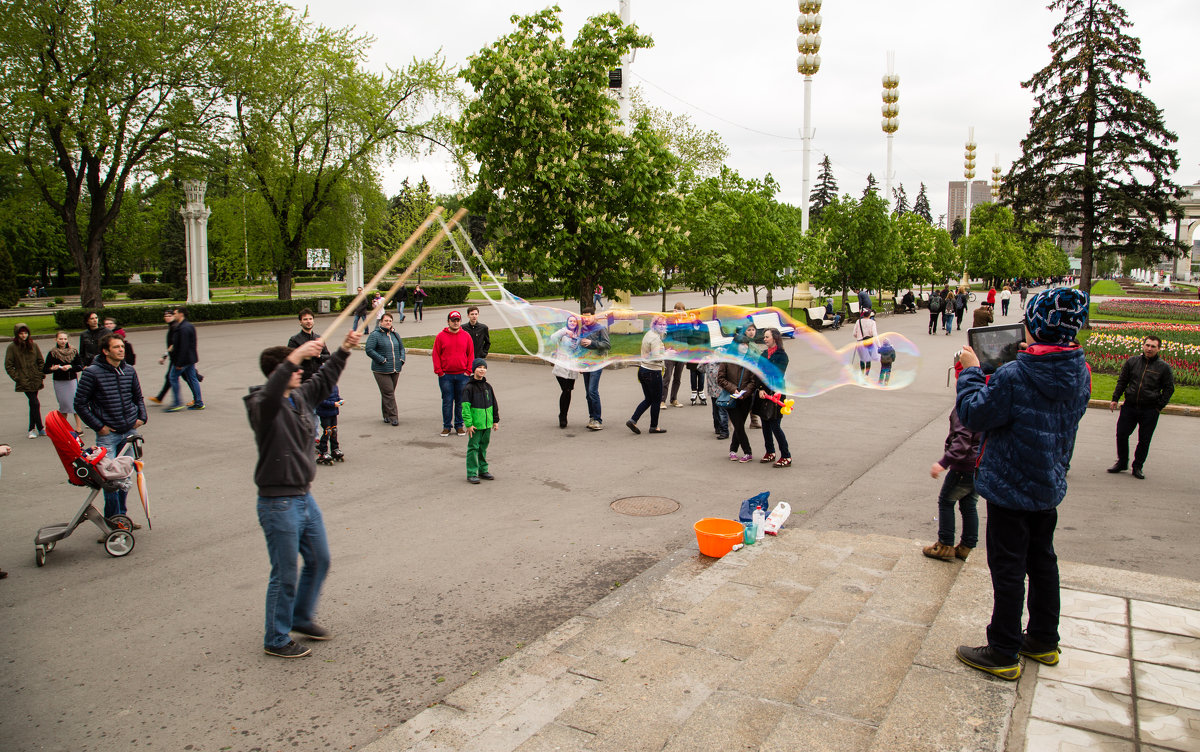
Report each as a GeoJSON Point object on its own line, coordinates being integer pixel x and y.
{"type": "Point", "coordinates": [769, 457]}
{"type": "Point", "coordinates": [445, 432]}
{"type": "Point", "coordinates": [734, 457]}
{"type": "Point", "coordinates": [487, 476]}
{"type": "Point", "coordinates": [989, 661]}
{"type": "Point", "coordinates": [940, 551]}
{"type": "Point", "coordinates": [745, 458]}
{"type": "Point", "coordinates": [1044, 654]}
{"type": "Point", "coordinates": [662, 405]}
{"type": "Point", "coordinates": [175, 408]}
{"type": "Point", "coordinates": [196, 407]}
{"type": "Point", "coordinates": [290, 650]}
{"type": "Point", "coordinates": [155, 400]}
{"type": "Point", "coordinates": [676, 403]}
{"type": "Point", "coordinates": [962, 552]}
{"type": "Point", "coordinates": [473, 479]}
{"type": "Point", "coordinates": [314, 632]}
{"type": "Point", "coordinates": [723, 437]}
{"type": "Point", "coordinates": [33, 434]}
{"type": "Point", "coordinates": [460, 431]}
{"type": "Point", "coordinates": [597, 427]}
{"type": "Point", "coordinates": [632, 426]}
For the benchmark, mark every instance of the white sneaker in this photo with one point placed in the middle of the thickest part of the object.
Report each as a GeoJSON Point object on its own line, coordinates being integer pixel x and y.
{"type": "Point", "coordinates": [33, 434]}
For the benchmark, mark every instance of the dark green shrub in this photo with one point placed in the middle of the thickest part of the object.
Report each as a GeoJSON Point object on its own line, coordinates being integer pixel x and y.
{"type": "Point", "coordinates": [59, 300]}
{"type": "Point", "coordinates": [534, 289]}
{"type": "Point", "coordinates": [440, 295]}
{"type": "Point", "coordinates": [150, 292]}
{"type": "Point", "coordinates": [107, 294]}
{"type": "Point", "coordinates": [149, 278]}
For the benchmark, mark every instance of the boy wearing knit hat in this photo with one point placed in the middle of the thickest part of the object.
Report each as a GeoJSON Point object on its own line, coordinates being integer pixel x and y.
{"type": "Point", "coordinates": [1028, 413]}
{"type": "Point", "coordinates": [481, 415]}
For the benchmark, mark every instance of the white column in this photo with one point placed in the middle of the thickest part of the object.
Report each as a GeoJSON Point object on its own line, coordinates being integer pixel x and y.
{"type": "Point", "coordinates": [195, 223]}
{"type": "Point", "coordinates": [354, 259]}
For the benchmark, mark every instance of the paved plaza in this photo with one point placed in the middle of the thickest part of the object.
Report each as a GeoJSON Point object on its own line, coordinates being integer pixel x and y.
{"type": "Point", "coordinates": [530, 603]}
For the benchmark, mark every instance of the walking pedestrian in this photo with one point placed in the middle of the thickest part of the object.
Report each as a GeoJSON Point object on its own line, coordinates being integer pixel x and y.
{"type": "Point", "coordinates": [935, 309]}
{"type": "Point", "coordinates": [1005, 296]}
{"type": "Point", "coordinates": [593, 336]}
{"type": "Point", "coordinates": [111, 325]}
{"type": "Point", "coordinates": [109, 400]}
{"type": "Point", "coordinates": [948, 312]}
{"type": "Point", "coordinates": [361, 312]}
{"type": "Point", "coordinates": [479, 333]}
{"type": "Point", "coordinates": [24, 364]}
{"type": "Point", "coordinates": [386, 351]}
{"type": "Point", "coordinates": [1023, 293]}
{"type": "Point", "coordinates": [169, 320]}
{"type": "Point", "coordinates": [280, 413]}
{"type": "Point", "coordinates": [64, 363]}
{"type": "Point", "coordinates": [1147, 383]}
{"type": "Point", "coordinates": [565, 358]}
{"type": "Point", "coordinates": [184, 357]}
{"type": "Point", "coordinates": [776, 361]}
{"type": "Point", "coordinates": [650, 376]}
{"type": "Point", "coordinates": [672, 375]}
{"type": "Point", "coordinates": [453, 353]}
{"type": "Point", "coordinates": [419, 296]}
{"type": "Point", "coordinates": [401, 301]}
{"type": "Point", "coordinates": [865, 332]}
{"type": "Point", "coordinates": [960, 307]}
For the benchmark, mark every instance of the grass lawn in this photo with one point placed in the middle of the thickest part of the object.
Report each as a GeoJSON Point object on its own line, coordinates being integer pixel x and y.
{"type": "Point", "coordinates": [1104, 383]}
{"type": "Point", "coordinates": [1106, 287]}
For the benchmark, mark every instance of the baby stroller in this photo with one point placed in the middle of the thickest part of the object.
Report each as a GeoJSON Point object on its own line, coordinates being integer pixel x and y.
{"type": "Point", "coordinates": [82, 470]}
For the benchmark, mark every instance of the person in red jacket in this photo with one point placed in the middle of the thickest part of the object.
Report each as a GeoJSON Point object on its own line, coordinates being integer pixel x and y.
{"type": "Point", "coordinates": [453, 353]}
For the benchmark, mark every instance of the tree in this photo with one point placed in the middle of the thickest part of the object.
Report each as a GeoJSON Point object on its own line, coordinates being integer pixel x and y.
{"type": "Point", "coordinates": [825, 192]}
{"type": "Point", "coordinates": [93, 92]}
{"type": "Point", "coordinates": [901, 199]}
{"type": "Point", "coordinates": [1097, 160]}
{"type": "Point", "coordinates": [872, 185]}
{"type": "Point", "coordinates": [568, 192]}
{"type": "Point", "coordinates": [921, 206]}
{"type": "Point", "coordinates": [993, 251]}
{"type": "Point", "coordinates": [312, 125]}
{"type": "Point", "coordinates": [700, 153]}
{"type": "Point", "coordinates": [9, 294]}
{"type": "Point", "coordinates": [861, 247]}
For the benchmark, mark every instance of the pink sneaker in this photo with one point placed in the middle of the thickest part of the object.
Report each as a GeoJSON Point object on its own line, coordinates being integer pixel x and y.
{"type": "Point", "coordinates": [733, 457]}
{"type": "Point", "coordinates": [746, 458]}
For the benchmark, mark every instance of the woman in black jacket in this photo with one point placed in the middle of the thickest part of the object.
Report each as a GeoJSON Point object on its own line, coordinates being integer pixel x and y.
{"type": "Point", "coordinates": [743, 384]}
{"type": "Point", "coordinates": [89, 339]}
{"type": "Point", "coordinates": [64, 363]}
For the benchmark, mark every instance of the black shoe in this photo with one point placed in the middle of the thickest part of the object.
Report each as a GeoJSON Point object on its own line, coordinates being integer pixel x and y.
{"type": "Point", "coordinates": [633, 426]}
{"type": "Point", "coordinates": [313, 632]}
{"type": "Point", "coordinates": [658, 430]}
{"type": "Point", "coordinates": [989, 661]}
{"type": "Point", "coordinates": [562, 421]}
{"type": "Point", "coordinates": [473, 479]}
{"type": "Point", "coordinates": [487, 476]}
{"type": "Point", "coordinates": [290, 650]}
{"type": "Point", "coordinates": [394, 422]}
{"type": "Point", "coordinates": [722, 436]}
{"type": "Point", "coordinates": [1137, 473]}
{"type": "Point", "coordinates": [1041, 653]}
{"type": "Point", "coordinates": [1117, 468]}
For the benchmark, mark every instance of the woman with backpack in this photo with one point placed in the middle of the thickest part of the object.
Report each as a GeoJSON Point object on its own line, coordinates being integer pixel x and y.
{"type": "Point", "coordinates": [935, 309]}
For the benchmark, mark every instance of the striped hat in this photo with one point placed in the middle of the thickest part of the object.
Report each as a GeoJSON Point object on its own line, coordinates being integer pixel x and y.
{"type": "Point", "coordinates": [1055, 316]}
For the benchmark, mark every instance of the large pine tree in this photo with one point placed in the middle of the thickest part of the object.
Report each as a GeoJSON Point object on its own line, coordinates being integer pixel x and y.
{"type": "Point", "coordinates": [872, 185]}
{"type": "Point", "coordinates": [900, 201]}
{"type": "Point", "coordinates": [921, 206]}
{"type": "Point", "coordinates": [825, 192]}
{"type": "Point", "coordinates": [1097, 162]}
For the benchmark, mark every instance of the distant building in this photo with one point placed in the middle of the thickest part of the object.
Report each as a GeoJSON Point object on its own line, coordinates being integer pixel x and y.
{"type": "Point", "coordinates": [981, 193]}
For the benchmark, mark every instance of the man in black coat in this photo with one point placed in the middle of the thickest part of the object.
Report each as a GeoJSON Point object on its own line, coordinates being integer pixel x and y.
{"type": "Point", "coordinates": [479, 333]}
{"type": "Point", "coordinates": [306, 334]}
{"type": "Point", "coordinates": [1147, 383]}
{"type": "Point", "coordinates": [184, 357]}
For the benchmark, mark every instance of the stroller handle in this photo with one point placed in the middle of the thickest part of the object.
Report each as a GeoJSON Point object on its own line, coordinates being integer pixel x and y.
{"type": "Point", "coordinates": [134, 441]}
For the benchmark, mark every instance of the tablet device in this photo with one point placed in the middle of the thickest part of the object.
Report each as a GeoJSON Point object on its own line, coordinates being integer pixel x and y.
{"type": "Point", "coordinates": [996, 345]}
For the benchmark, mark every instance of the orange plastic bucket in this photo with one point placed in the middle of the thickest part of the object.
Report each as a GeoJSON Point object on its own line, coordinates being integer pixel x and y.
{"type": "Point", "coordinates": [717, 537]}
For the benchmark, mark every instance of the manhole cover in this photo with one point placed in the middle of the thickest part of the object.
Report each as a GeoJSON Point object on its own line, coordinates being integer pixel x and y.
{"type": "Point", "coordinates": [645, 506]}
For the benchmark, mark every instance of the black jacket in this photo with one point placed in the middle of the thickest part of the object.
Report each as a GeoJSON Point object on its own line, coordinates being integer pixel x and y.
{"type": "Point", "coordinates": [89, 343]}
{"type": "Point", "coordinates": [184, 352]}
{"type": "Point", "coordinates": [1145, 383]}
{"type": "Point", "coordinates": [108, 396]}
{"type": "Point", "coordinates": [481, 338]}
{"type": "Point", "coordinates": [283, 427]}
{"type": "Point", "coordinates": [312, 365]}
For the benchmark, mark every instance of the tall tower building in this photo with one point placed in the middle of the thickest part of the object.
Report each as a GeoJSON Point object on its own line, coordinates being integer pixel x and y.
{"type": "Point", "coordinates": [981, 193]}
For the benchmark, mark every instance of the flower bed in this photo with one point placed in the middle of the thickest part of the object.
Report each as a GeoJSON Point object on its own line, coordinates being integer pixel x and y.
{"type": "Point", "coordinates": [1108, 348]}
{"type": "Point", "coordinates": [1187, 310]}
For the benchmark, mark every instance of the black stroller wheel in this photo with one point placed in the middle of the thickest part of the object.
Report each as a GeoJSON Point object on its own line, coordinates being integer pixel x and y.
{"type": "Point", "coordinates": [119, 543]}
{"type": "Point", "coordinates": [39, 556]}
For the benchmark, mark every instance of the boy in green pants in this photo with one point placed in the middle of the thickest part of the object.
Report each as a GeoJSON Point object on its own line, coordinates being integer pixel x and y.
{"type": "Point", "coordinates": [481, 415]}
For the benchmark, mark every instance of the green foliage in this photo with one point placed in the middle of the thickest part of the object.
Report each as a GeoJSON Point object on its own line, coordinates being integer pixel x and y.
{"type": "Point", "coordinates": [148, 278]}
{"type": "Point", "coordinates": [927, 255]}
{"type": "Point", "coordinates": [1097, 161]}
{"type": "Point", "coordinates": [900, 200]}
{"type": "Point", "coordinates": [993, 250]}
{"type": "Point", "coordinates": [921, 206]}
{"type": "Point", "coordinates": [825, 192]}
{"type": "Point", "coordinates": [107, 294]}
{"type": "Point", "coordinates": [9, 294]}
{"type": "Point", "coordinates": [860, 248]}
{"type": "Point", "coordinates": [567, 193]}
{"type": "Point", "coordinates": [150, 292]}
{"type": "Point", "coordinates": [699, 153]}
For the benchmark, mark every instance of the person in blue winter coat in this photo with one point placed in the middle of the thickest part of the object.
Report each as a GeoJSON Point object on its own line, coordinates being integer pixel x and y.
{"type": "Point", "coordinates": [958, 462]}
{"type": "Point", "coordinates": [328, 450]}
{"type": "Point", "coordinates": [1028, 413]}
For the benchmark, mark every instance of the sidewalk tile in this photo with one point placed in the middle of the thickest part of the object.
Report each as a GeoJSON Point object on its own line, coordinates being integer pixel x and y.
{"type": "Point", "coordinates": [1172, 727]}
{"type": "Point", "coordinates": [1094, 606]}
{"type": "Point", "coordinates": [727, 720]}
{"type": "Point", "coordinates": [1041, 736]}
{"type": "Point", "coordinates": [1167, 649]}
{"type": "Point", "coordinates": [1098, 637]}
{"type": "Point", "coordinates": [1089, 669]}
{"type": "Point", "coordinates": [555, 737]}
{"type": "Point", "coordinates": [864, 669]}
{"type": "Point", "coordinates": [817, 732]}
{"type": "Point", "coordinates": [1173, 686]}
{"type": "Point", "coordinates": [783, 663]}
{"type": "Point", "coordinates": [936, 710]}
{"type": "Point", "coordinates": [1163, 618]}
{"type": "Point", "coordinates": [1093, 709]}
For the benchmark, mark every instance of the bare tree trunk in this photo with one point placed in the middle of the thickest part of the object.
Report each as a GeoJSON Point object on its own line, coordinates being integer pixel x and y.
{"type": "Point", "coordinates": [283, 278]}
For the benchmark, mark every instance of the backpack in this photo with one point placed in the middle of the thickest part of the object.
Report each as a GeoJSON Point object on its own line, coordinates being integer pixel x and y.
{"type": "Point", "coordinates": [936, 303]}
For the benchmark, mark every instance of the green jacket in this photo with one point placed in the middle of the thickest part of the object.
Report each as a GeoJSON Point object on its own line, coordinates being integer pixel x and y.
{"type": "Point", "coordinates": [24, 366]}
{"type": "Point", "coordinates": [479, 405]}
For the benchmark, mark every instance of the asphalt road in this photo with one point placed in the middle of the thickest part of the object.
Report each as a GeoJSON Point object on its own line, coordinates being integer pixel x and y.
{"type": "Point", "coordinates": [433, 579]}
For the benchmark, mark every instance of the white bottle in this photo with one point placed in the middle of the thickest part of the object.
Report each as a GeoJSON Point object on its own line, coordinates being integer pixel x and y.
{"type": "Point", "coordinates": [759, 518]}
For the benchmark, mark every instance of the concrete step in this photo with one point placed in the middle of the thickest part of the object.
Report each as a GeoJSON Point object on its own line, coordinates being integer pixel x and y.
{"type": "Point", "coordinates": [809, 640]}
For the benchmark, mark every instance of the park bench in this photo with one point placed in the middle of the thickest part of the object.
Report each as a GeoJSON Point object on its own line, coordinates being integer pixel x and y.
{"type": "Point", "coordinates": [716, 337]}
{"type": "Point", "coordinates": [851, 313]}
{"type": "Point", "coordinates": [816, 317]}
{"type": "Point", "coordinates": [771, 320]}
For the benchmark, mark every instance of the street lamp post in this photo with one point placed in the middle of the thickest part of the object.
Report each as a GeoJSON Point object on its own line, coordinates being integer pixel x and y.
{"type": "Point", "coordinates": [969, 174]}
{"type": "Point", "coordinates": [808, 62]}
{"type": "Point", "coordinates": [996, 179]}
{"type": "Point", "coordinates": [891, 116]}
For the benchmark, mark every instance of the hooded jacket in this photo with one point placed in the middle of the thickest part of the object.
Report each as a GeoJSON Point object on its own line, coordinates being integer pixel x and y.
{"type": "Point", "coordinates": [479, 407]}
{"type": "Point", "coordinates": [386, 351]}
{"type": "Point", "coordinates": [24, 364]}
{"type": "Point", "coordinates": [453, 352]}
{"type": "Point", "coordinates": [283, 427]}
{"type": "Point", "coordinates": [109, 396]}
{"type": "Point", "coordinates": [1028, 413]}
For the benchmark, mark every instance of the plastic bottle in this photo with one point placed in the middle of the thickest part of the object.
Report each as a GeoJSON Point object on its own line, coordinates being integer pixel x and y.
{"type": "Point", "coordinates": [759, 517]}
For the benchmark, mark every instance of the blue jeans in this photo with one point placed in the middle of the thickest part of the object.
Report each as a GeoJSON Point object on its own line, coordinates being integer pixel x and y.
{"type": "Point", "coordinates": [400, 310]}
{"type": "Point", "coordinates": [358, 319]}
{"type": "Point", "coordinates": [948, 322]}
{"type": "Point", "coordinates": [591, 385]}
{"type": "Point", "coordinates": [720, 418]}
{"type": "Point", "coordinates": [293, 527]}
{"type": "Point", "coordinates": [958, 488]}
{"type": "Point", "coordinates": [188, 374]}
{"type": "Point", "coordinates": [114, 501]}
{"type": "Point", "coordinates": [452, 388]}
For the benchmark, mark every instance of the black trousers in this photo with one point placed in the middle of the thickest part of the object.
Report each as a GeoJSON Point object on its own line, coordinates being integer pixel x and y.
{"type": "Point", "coordinates": [1145, 420]}
{"type": "Point", "coordinates": [566, 386]}
{"type": "Point", "coordinates": [651, 380]}
{"type": "Point", "coordinates": [35, 411]}
{"type": "Point", "coordinates": [738, 411]}
{"type": "Point", "coordinates": [933, 322]}
{"type": "Point", "coordinates": [1019, 545]}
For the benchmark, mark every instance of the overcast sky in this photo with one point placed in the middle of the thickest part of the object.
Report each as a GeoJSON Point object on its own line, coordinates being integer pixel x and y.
{"type": "Point", "coordinates": [731, 67]}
